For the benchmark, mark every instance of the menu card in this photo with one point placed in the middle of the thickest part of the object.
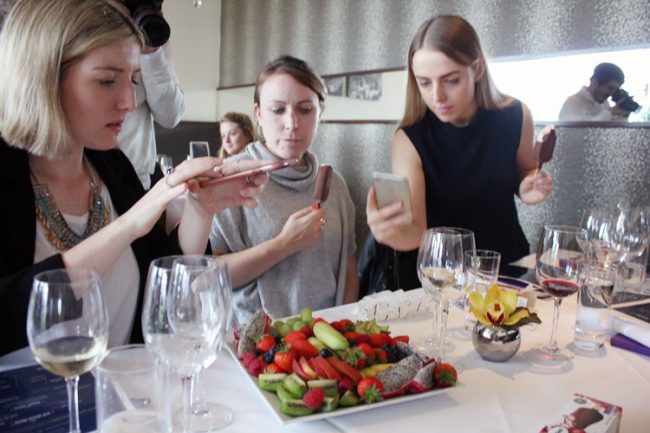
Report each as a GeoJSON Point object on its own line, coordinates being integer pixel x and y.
{"type": "Point", "coordinates": [584, 414]}
{"type": "Point", "coordinates": [36, 401]}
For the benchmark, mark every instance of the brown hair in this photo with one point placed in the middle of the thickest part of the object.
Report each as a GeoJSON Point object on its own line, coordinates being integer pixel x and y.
{"type": "Point", "coordinates": [244, 123]}
{"type": "Point", "coordinates": [457, 39]}
{"type": "Point", "coordinates": [296, 68]}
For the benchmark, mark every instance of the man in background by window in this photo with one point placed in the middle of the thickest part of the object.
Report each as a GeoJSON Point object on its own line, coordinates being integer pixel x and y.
{"type": "Point", "coordinates": [159, 97]}
{"type": "Point", "coordinates": [590, 103]}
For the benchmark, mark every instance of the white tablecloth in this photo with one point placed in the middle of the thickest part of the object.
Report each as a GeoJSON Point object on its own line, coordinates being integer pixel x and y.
{"type": "Point", "coordinates": [516, 396]}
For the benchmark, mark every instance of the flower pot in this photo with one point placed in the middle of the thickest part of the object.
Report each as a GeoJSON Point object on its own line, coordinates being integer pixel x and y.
{"type": "Point", "coordinates": [495, 343]}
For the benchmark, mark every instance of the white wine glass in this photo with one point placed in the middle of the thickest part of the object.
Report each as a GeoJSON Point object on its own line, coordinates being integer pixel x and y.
{"type": "Point", "coordinates": [440, 267]}
{"type": "Point", "coordinates": [559, 268]}
{"type": "Point", "coordinates": [67, 327]}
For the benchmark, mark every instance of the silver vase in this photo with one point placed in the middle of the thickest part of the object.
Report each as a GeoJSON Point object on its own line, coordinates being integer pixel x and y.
{"type": "Point", "coordinates": [495, 343]}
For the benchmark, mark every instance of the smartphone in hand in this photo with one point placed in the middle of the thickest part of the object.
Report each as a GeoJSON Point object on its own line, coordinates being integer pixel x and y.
{"type": "Point", "coordinates": [390, 188]}
{"type": "Point", "coordinates": [199, 149]}
{"type": "Point", "coordinates": [276, 165]}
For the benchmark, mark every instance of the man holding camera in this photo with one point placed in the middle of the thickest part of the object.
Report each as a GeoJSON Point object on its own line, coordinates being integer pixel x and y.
{"type": "Point", "coordinates": [159, 97]}
{"type": "Point", "coordinates": [590, 103]}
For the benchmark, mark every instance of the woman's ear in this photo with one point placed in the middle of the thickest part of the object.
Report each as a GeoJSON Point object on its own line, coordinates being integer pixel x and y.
{"type": "Point", "coordinates": [256, 112]}
{"type": "Point", "coordinates": [479, 69]}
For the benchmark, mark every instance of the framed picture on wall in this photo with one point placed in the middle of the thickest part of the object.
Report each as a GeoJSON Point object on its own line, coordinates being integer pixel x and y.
{"type": "Point", "coordinates": [368, 87]}
{"type": "Point", "coordinates": [335, 86]}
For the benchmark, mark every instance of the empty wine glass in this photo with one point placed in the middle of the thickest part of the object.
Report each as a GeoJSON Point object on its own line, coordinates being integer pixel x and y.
{"type": "Point", "coordinates": [67, 327]}
{"type": "Point", "coordinates": [559, 268]}
{"type": "Point", "coordinates": [440, 266]}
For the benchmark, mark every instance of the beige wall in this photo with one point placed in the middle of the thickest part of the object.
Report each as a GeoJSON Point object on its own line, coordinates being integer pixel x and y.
{"type": "Point", "coordinates": [194, 48]}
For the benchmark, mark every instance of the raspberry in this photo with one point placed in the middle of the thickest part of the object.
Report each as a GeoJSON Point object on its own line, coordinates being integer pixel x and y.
{"type": "Point", "coordinates": [256, 367]}
{"type": "Point", "coordinates": [313, 398]}
{"type": "Point", "coordinates": [247, 358]}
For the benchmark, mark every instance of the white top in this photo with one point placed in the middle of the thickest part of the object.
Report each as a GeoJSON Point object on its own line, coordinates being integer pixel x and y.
{"type": "Point", "coordinates": [582, 106]}
{"type": "Point", "coordinates": [120, 284]}
{"type": "Point", "coordinates": [159, 97]}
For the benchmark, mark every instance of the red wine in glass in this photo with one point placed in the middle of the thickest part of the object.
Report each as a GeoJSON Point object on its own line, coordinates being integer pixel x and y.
{"type": "Point", "coordinates": [559, 288]}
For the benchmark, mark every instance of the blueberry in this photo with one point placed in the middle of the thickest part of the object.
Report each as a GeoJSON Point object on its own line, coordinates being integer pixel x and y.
{"type": "Point", "coordinates": [326, 353]}
{"type": "Point", "coordinates": [269, 356]}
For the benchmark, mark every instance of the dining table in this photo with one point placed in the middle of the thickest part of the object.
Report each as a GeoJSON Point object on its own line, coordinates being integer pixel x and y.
{"type": "Point", "coordinates": [519, 395]}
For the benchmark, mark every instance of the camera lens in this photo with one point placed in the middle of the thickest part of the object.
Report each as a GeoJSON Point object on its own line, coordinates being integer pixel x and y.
{"type": "Point", "coordinates": [155, 29]}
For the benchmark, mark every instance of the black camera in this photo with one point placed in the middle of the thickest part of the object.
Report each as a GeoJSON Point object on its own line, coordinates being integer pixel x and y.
{"type": "Point", "coordinates": [624, 101]}
{"type": "Point", "coordinates": [147, 16]}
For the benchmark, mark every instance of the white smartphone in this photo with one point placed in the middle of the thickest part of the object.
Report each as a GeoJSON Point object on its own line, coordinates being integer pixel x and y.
{"type": "Point", "coordinates": [199, 149]}
{"type": "Point", "coordinates": [390, 188]}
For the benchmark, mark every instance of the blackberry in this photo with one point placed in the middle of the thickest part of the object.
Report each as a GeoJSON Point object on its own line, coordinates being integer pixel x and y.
{"type": "Point", "coordinates": [393, 354]}
{"type": "Point", "coordinates": [326, 353]}
{"type": "Point", "coordinates": [278, 339]}
{"type": "Point", "coordinates": [269, 356]}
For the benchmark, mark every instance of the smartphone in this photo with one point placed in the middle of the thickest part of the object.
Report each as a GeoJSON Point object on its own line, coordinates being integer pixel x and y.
{"type": "Point", "coordinates": [199, 149]}
{"type": "Point", "coordinates": [276, 165]}
{"type": "Point", "coordinates": [390, 188]}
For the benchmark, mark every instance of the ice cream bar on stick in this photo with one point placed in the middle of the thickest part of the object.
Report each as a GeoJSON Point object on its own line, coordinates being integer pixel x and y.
{"type": "Point", "coordinates": [543, 149]}
{"type": "Point", "coordinates": [322, 188]}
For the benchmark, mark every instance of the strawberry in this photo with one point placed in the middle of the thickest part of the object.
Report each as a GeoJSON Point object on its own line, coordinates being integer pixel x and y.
{"type": "Point", "coordinates": [346, 325]}
{"type": "Point", "coordinates": [379, 339]}
{"type": "Point", "coordinates": [402, 338]}
{"type": "Point", "coordinates": [307, 331]}
{"type": "Point", "coordinates": [265, 343]}
{"type": "Point", "coordinates": [304, 348]}
{"type": "Point", "coordinates": [380, 356]}
{"type": "Point", "coordinates": [294, 335]}
{"type": "Point", "coordinates": [318, 319]}
{"type": "Point", "coordinates": [313, 398]}
{"type": "Point", "coordinates": [355, 337]}
{"type": "Point", "coordinates": [445, 375]}
{"type": "Point", "coordinates": [370, 389]}
{"type": "Point", "coordinates": [284, 359]}
{"type": "Point", "coordinates": [273, 368]}
{"type": "Point", "coordinates": [368, 351]}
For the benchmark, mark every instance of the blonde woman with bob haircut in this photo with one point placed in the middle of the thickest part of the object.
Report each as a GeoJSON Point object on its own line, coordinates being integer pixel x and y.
{"type": "Point", "coordinates": [70, 198]}
{"type": "Point", "coordinates": [465, 148]}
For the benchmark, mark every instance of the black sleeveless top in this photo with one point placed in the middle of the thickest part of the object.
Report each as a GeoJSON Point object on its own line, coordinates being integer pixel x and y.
{"type": "Point", "coordinates": [471, 176]}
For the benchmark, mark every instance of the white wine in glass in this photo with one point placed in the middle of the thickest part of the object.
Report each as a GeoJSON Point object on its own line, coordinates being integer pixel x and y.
{"type": "Point", "coordinates": [67, 327]}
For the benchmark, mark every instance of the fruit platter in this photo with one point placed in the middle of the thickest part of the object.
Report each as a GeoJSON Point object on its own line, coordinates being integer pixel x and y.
{"type": "Point", "coordinates": [307, 368]}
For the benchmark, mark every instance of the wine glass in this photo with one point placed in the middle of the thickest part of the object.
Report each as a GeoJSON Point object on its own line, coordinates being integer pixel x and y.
{"type": "Point", "coordinates": [67, 327]}
{"type": "Point", "coordinates": [440, 266]}
{"type": "Point", "coordinates": [559, 270]}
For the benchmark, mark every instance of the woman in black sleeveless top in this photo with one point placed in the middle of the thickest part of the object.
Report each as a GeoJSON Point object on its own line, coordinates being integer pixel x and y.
{"type": "Point", "coordinates": [465, 148]}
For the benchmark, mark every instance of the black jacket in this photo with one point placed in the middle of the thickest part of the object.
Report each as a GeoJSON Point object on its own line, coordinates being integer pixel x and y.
{"type": "Point", "coordinates": [18, 236]}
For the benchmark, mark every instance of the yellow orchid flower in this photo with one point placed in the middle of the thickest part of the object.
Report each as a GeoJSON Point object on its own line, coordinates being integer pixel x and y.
{"type": "Point", "coordinates": [497, 308]}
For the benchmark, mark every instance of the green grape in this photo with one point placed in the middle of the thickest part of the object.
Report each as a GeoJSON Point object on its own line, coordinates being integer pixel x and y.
{"type": "Point", "coordinates": [305, 315]}
{"type": "Point", "coordinates": [277, 324]}
{"type": "Point", "coordinates": [284, 330]}
{"type": "Point", "coordinates": [298, 325]}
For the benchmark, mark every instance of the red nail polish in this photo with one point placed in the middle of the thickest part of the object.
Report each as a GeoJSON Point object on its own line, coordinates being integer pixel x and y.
{"type": "Point", "coordinates": [315, 206]}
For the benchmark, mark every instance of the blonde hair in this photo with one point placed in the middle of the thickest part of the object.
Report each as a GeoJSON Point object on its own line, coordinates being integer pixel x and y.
{"type": "Point", "coordinates": [39, 41]}
{"type": "Point", "coordinates": [244, 123]}
{"type": "Point", "coordinates": [457, 39]}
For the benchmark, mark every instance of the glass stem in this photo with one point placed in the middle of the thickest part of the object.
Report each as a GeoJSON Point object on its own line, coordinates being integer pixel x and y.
{"type": "Point", "coordinates": [436, 326]}
{"type": "Point", "coordinates": [188, 383]}
{"type": "Point", "coordinates": [73, 403]}
{"type": "Point", "coordinates": [552, 345]}
{"type": "Point", "coordinates": [444, 312]}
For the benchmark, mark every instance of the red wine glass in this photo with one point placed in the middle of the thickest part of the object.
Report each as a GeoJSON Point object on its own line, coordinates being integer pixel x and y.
{"type": "Point", "coordinates": [559, 270]}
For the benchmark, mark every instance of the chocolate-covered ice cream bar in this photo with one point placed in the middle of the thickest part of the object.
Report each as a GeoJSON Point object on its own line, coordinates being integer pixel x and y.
{"type": "Point", "coordinates": [322, 188]}
{"type": "Point", "coordinates": [543, 149]}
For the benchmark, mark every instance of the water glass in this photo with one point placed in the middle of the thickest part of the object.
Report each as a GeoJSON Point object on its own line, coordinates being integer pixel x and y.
{"type": "Point", "coordinates": [483, 271]}
{"type": "Point", "coordinates": [592, 311]}
{"type": "Point", "coordinates": [130, 392]}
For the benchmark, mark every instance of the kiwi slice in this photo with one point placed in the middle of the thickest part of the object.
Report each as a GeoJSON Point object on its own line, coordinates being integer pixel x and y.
{"type": "Point", "coordinates": [330, 403]}
{"type": "Point", "coordinates": [329, 386]}
{"type": "Point", "coordinates": [283, 393]}
{"type": "Point", "coordinates": [295, 408]}
{"type": "Point", "coordinates": [270, 381]}
{"type": "Point", "coordinates": [348, 399]}
{"type": "Point", "coordinates": [295, 385]}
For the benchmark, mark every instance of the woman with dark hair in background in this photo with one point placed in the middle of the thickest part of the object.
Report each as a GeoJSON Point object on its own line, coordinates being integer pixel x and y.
{"type": "Point", "coordinates": [465, 148]}
{"type": "Point", "coordinates": [286, 254]}
{"type": "Point", "coordinates": [236, 132]}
